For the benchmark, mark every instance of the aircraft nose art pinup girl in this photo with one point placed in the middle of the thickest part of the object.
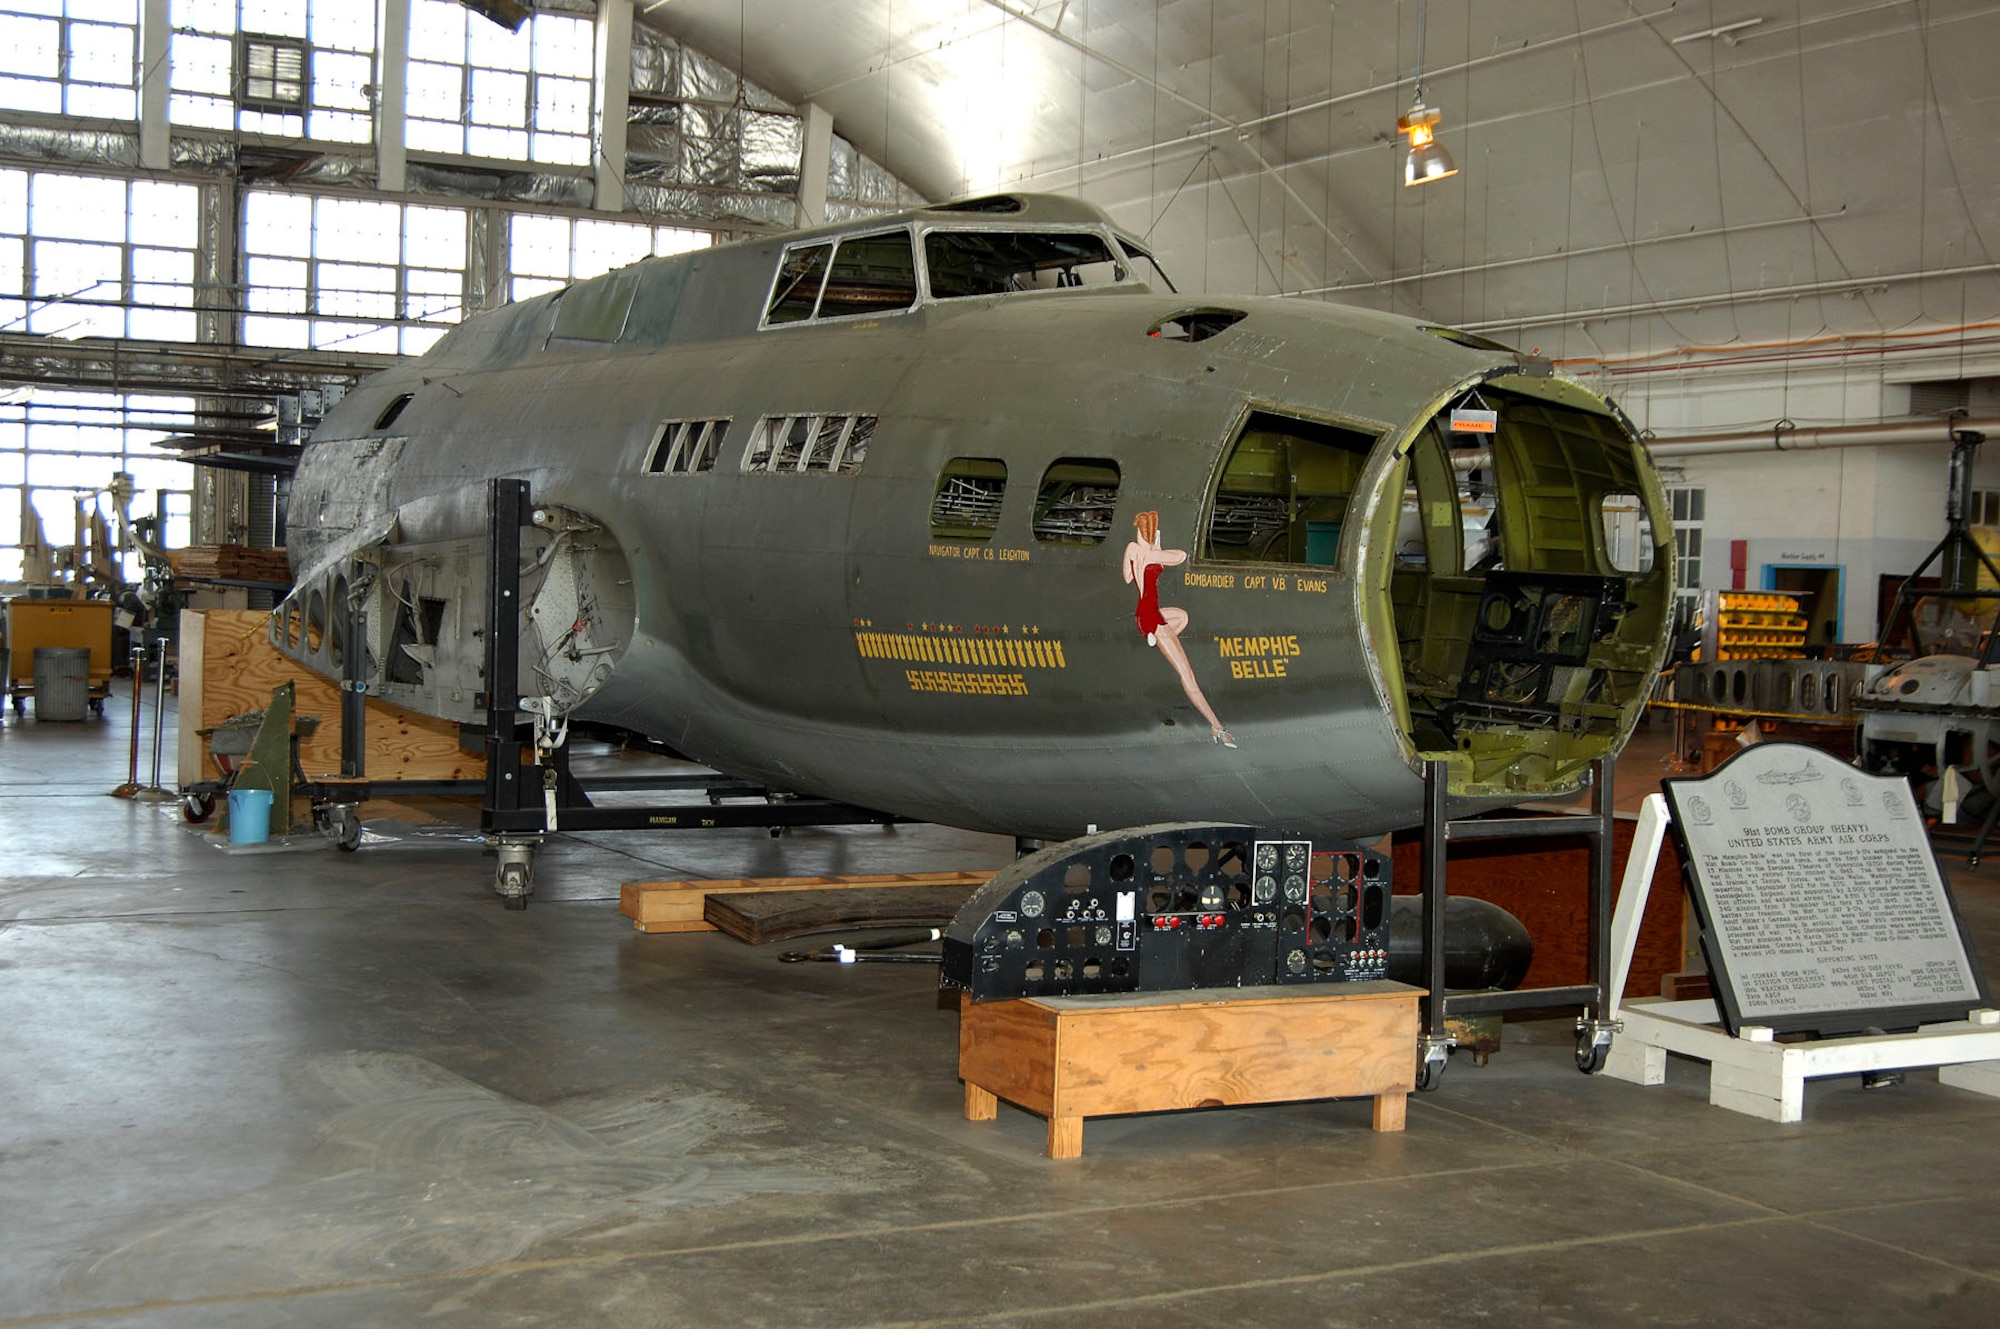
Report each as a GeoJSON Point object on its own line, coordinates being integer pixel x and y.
{"type": "Point", "coordinates": [1163, 627]}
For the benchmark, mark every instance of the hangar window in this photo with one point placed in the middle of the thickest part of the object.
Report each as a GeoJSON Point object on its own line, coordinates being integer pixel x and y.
{"type": "Point", "coordinates": [360, 274]}
{"type": "Point", "coordinates": [302, 70]}
{"type": "Point", "coordinates": [682, 447]}
{"type": "Point", "coordinates": [70, 57]}
{"type": "Point", "coordinates": [88, 256]}
{"type": "Point", "coordinates": [1628, 533]}
{"type": "Point", "coordinates": [800, 444]}
{"type": "Point", "coordinates": [478, 90]}
{"type": "Point", "coordinates": [1076, 501]}
{"type": "Point", "coordinates": [963, 263]}
{"type": "Point", "coordinates": [967, 503]}
{"type": "Point", "coordinates": [1283, 493]}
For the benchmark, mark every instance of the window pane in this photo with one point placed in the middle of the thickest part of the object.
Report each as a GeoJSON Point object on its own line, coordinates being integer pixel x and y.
{"type": "Point", "coordinates": [277, 224]}
{"type": "Point", "coordinates": [356, 229]}
{"type": "Point", "coordinates": [163, 214]}
{"type": "Point", "coordinates": [77, 207]}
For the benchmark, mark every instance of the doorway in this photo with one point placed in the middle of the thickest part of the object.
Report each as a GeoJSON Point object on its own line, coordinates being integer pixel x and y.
{"type": "Point", "coordinates": [1818, 588]}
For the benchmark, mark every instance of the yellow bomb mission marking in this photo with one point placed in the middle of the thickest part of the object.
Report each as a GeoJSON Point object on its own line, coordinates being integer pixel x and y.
{"type": "Point", "coordinates": [1257, 657]}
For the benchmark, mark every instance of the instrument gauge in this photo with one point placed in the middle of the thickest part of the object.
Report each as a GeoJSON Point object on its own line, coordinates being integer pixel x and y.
{"type": "Point", "coordinates": [1295, 888]}
{"type": "Point", "coordinates": [1032, 904]}
{"type": "Point", "coordinates": [1211, 896]}
{"type": "Point", "coordinates": [1265, 890]}
{"type": "Point", "coordinates": [1267, 857]}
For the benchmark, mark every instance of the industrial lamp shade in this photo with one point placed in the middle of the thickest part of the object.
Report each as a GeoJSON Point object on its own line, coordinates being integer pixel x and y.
{"type": "Point", "coordinates": [1427, 162]}
{"type": "Point", "coordinates": [1428, 159]}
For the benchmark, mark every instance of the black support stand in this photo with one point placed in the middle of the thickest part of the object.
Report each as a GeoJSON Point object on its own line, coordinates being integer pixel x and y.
{"type": "Point", "coordinates": [1592, 1031]}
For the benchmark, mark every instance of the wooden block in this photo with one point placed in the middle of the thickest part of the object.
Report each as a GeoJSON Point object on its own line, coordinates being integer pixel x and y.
{"type": "Point", "coordinates": [680, 906]}
{"type": "Point", "coordinates": [979, 1104]}
{"type": "Point", "coordinates": [229, 666]}
{"type": "Point", "coordinates": [1065, 1137]}
{"type": "Point", "coordinates": [1067, 1058]}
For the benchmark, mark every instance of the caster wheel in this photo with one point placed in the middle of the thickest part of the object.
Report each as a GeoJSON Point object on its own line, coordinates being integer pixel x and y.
{"type": "Point", "coordinates": [1430, 1074]}
{"type": "Point", "coordinates": [97, 707]}
{"type": "Point", "coordinates": [348, 837]}
{"type": "Point", "coordinates": [1590, 1057]}
{"type": "Point", "coordinates": [198, 808]}
{"type": "Point", "coordinates": [515, 902]}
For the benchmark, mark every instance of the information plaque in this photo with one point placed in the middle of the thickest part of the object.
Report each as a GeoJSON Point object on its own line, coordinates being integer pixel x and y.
{"type": "Point", "coordinates": [1822, 908]}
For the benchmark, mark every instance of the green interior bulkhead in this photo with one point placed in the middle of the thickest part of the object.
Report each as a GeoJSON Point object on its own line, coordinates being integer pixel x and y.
{"type": "Point", "coordinates": [1524, 576]}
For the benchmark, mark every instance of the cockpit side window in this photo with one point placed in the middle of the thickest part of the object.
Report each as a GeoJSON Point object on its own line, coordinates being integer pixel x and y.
{"type": "Point", "coordinates": [1284, 490]}
{"type": "Point", "coordinates": [964, 263]}
{"type": "Point", "coordinates": [871, 274]}
{"type": "Point", "coordinates": [1149, 267]}
{"type": "Point", "coordinates": [800, 275]}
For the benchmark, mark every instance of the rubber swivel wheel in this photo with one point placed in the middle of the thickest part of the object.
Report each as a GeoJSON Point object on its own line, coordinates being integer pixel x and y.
{"type": "Point", "coordinates": [514, 901]}
{"type": "Point", "coordinates": [349, 838]}
{"type": "Point", "coordinates": [1590, 1056]}
{"type": "Point", "coordinates": [1430, 1074]}
{"type": "Point", "coordinates": [198, 808]}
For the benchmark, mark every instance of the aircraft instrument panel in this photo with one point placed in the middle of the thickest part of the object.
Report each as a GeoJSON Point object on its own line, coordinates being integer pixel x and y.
{"type": "Point", "coordinates": [1168, 908]}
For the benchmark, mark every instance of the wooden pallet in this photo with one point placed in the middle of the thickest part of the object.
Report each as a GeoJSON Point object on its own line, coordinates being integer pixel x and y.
{"type": "Point", "coordinates": [680, 906]}
{"type": "Point", "coordinates": [1068, 1058]}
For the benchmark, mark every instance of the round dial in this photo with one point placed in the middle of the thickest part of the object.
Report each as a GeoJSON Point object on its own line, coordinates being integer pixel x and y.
{"type": "Point", "coordinates": [1295, 961]}
{"type": "Point", "coordinates": [1211, 896]}
{"type": "Point", "coordinates": [1103, 935]}
{"type": "Point", "coordinates": [1267, 857]}
{"type": "Point", "coordinates": [1295, 888]}
{"type": "Point", "coordinates": [1295, 857]}
{"type": "Point", "coordinates": [1265, 891]}
{"type": "Point", "coordinates": [1032, 904]}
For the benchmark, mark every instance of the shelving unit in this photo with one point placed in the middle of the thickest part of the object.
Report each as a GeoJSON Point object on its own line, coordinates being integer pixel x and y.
{"type": "Point", "coordinates": [1752, 625]}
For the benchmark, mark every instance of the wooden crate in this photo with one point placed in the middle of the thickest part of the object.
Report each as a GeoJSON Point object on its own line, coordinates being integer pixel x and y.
{"type": "Point", "coordinates": [679, 906]}
{"type": "Point", "coordinates": [228, 666]}
{"type": "Point", "coordinates": [1067, 1058]}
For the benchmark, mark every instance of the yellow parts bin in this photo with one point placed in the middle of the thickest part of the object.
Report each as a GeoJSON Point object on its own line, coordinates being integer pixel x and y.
{"type": "Point", "coordinates": [79, 623]}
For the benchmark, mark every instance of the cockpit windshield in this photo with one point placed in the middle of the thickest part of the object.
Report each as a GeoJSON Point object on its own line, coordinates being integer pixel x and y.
{"type": "Point", "coordinates": [987, 262]}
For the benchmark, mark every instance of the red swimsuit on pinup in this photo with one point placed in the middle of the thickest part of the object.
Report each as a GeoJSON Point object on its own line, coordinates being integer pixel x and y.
{"type": "Point", "coordinates": [1148, 612]}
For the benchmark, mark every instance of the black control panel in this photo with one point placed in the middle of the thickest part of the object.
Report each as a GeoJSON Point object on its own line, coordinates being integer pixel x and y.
{"type": "Point", "coordinates": [1166, 908]}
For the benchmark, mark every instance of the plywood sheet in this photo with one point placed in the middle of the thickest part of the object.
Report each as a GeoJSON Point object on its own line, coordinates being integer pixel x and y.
{"type": "Point", "coordinates": [228, 666]}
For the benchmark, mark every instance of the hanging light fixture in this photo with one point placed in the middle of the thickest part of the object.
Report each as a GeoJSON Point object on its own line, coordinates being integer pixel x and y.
{"type": "Point", "coordinates": [1428, 159]}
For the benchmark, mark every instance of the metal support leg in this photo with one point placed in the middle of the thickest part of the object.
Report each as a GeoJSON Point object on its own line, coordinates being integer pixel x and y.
{"type": "Point", "coordinates": [512, 817]}
{"type": "Point", "coordinates": [1434, 1044]}
{"type": "Point", "coordinates": [1593, 1029]}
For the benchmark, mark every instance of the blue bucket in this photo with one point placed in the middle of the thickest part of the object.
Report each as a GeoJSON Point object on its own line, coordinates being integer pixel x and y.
{"type": "Point", "coordinates": [249, 816]}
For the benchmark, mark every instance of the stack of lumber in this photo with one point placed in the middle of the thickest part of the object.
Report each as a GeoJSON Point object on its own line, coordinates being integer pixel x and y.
{"type": "Point", "coordinates": [681, 906]}
{"type": "Point", "coordinates": [230, 562]}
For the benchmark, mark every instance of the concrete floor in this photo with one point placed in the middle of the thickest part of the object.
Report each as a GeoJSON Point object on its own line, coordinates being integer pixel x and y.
{"type": "Point", "coordinates": [331, 1089]}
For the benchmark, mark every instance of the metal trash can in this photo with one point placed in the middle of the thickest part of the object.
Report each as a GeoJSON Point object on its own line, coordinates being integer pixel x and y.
{"type": "Point", "coordinates": [62, 682]}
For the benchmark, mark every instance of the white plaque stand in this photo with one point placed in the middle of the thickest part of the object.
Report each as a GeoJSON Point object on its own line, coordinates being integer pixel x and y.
{"type": "Point", "coordinates": [1752, 1072]}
